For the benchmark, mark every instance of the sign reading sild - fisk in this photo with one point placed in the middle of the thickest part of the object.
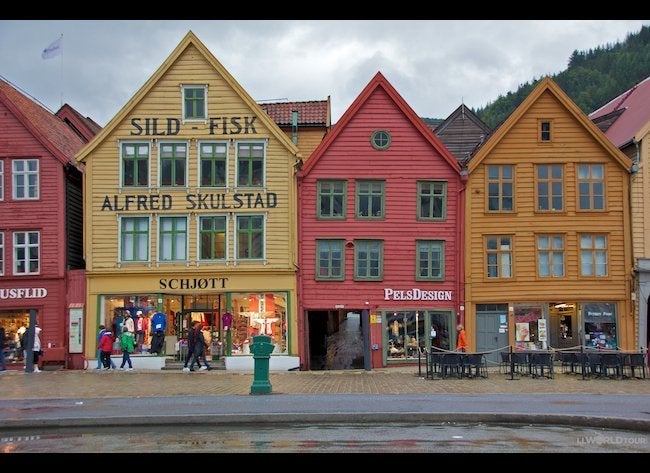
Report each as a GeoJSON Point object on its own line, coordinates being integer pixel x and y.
{"type": "Point", "coordinates": [238, 200]}
{"type": "Point", "coordinates": [171, 126]}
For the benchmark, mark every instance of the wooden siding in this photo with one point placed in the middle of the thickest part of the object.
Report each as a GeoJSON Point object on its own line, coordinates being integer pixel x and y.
{"type": "Point", "coordinates": [640, 193]}
{"type": "Point", "coordinates": [409, 158]}
{"type": "Point", "coordinates": [572, 144]}
{"type": "Point", "coordinates": [164, 100]}
{"type": "Point", "coordinates": [308, 139]}
{"type": "Point", "coordinates": [45, 214]}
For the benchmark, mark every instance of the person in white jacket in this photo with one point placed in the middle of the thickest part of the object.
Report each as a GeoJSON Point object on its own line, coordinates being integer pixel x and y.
{"type": "Point", "coordinates": [37, 347]}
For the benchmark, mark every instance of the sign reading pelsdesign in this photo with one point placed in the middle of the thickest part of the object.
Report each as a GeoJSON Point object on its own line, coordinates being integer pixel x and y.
{"type": "Point", "coordinates": [416, 294]}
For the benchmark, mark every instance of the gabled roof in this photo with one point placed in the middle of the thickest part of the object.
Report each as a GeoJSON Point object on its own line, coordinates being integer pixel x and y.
{"type": "Point", "coordinates": [628, 112]}
{"type": "Point", "coordinates": [379, 81]}
{"type": "Point", "coordinates": [547, 84]}
{"type": "Point", "coordinates": [84, 126]}
{"type": "Point", "coordinates": [57, 137]}
{"type": "Point", "coordinates": [310, 113]}
{"type": "Point", "coordinates": [190, 39]}
{"type": "Point", "coordinates": [461, 132]}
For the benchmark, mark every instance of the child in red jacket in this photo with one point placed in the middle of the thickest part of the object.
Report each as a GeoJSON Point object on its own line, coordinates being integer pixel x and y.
{"type": "Point", "coordinates": [106, 347]}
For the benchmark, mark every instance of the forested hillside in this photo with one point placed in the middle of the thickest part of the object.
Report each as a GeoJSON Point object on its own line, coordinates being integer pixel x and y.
{"type": "Point", "coordinates": [591, 79]}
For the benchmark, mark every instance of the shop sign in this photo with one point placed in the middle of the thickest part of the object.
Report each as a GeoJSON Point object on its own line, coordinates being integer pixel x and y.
{"type": "Point", "coordinates": [416, 294]}
{"type": "Point", "coordinates": [23, 293]}
{"type": "Point", "coordinates": [221, 201]}
{"type": "Point", "coordinates": [192, 283]}
{"type": "Point", "coordinates": [170, 126]}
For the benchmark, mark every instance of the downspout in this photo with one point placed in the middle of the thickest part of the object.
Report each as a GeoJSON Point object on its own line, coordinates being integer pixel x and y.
{"type": "Point", "coordinates": [460, 244]}
{"type": "Point", "coordinates": [302, 339]}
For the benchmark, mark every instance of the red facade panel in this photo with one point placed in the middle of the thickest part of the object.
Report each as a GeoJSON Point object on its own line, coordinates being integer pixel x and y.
{"type": "Point", "coordinates": [412, 156]}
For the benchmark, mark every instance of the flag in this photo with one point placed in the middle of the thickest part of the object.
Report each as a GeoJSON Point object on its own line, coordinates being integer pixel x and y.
{"type": "Point", "coordinates": [54, 49]}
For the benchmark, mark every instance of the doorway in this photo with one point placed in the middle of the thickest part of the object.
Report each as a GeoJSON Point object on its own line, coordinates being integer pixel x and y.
{"type": "Point", "coordinates": [564, 325]}
{"type": "Point", "coordinates": [335, 340]}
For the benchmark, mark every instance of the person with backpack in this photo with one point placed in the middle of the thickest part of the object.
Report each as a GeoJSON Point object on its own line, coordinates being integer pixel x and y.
{"type": "Point", "coordinates": [191, 341]}
{"type": "Point", "coordinates": [127, 344]}
{"type": "Point", "coordinates": [106, 348]}
{"type": "Point", "coordinates": [199, 349]}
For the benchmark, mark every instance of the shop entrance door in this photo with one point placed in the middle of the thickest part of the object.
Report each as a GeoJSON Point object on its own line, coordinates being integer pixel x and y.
{"type": "Point", "coordinates": [492, 330]}
{"type": "Point", "coordinates": [564, 324]}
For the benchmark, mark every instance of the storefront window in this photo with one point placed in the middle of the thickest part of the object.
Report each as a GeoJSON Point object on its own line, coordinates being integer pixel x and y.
{"type": "Point", "coordinates": [14, 323]}
{"type": "Point", "coordinates": [116, 307]}
{"type": "Point", "coordinates": [600, 324]}
{"type": "Point", "coordinates": [439, 331]}
{"type": "Point", "coordinates": [530, 327]}
{"type": "Point", "coordinates": [258, 314]}
{"type": "Point", "coordinates": [405, 334]}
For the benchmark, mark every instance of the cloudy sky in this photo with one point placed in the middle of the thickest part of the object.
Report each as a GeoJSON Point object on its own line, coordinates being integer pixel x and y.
{"type": "Point", "coordinates": [434, 64]}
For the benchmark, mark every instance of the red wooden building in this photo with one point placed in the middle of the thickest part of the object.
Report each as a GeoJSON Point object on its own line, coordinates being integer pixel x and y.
{"type": "Point", "coordinates": [380, 238]}
{"type": "Point", "coordinates": [41, 234]}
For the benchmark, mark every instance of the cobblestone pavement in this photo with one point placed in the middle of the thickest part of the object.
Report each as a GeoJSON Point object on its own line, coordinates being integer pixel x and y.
{"type": "Point", "coordinates": [403, 380]}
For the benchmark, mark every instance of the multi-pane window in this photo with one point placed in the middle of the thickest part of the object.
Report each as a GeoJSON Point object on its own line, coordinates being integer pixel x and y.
{"type": "Point", "coordinates": [329, 259]}
{"type": "Point", "coordinates": [2, 254]}
{"type": "Point", "coordinates": [194, 103]}
{"type": "Point", "coordinates": [545, 131]}
{"type": "Point", "coordinates": [134, 239]}
{"type": "Point", "coordinates": [501, 185]}
{"type": "Point", "coordinates": [212, 238]}
{"type": "Point", "coordinates": [593, 255]}
{"type": "Point", "coordinates": [432, 200]}
{"type": "Point", "coordinates": [499, 256]}
{"type": "Point", "coordinates": [250, 164]}
{"type": "Point", "coordinates": [550, 255]}
{"type": "Point", "coordinates": [25, 179]}
{"type": "Point", "coordinates": [370, 199]}
{"type": "Point", "coordinates": [550, 187]}
{"type": "Point", "coordinates": [173, 163]}
{"type": "Point", "coordinates": [135, 164]}
{"type": "Point", "coordinates": [331, 199]}
{"type": "Point", "coordinates": [213, 161]}
{"type": "Point", "coordinates": [250, 237]}
{"type": "Point", "coordinates": [591, 186]}
{"type": "Point", "coordinates": [430, 260]}
{"type": "Point", "coordinates": [27, 253]}
{"type": "Point", "coordinates": [380, 139]}
{"type": "Point", "coordinates": [172, 239]}
{"type": "Point", "coordinates": [368, 259]}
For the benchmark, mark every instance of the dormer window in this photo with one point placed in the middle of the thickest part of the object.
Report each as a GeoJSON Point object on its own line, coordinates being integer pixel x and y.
{"type": "Point", "coordinates": [195, 104]}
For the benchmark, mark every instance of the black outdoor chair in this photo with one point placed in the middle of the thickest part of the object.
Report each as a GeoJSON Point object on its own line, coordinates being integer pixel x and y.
{"type": "Point", "coordinates": [633, 361]}
{"type": "Point", "coordinates": [475, 365]}
{"type": "Point", "coordinates": [451, 364]}
{"type": "Point", "coordinates": [540, 362]}
{"type": "Point", "coordinates": [613, 362]}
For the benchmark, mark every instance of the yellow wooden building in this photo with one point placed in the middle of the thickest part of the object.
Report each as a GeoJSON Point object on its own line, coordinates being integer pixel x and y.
{"type": "Point", "coordinates": [189, 211]}
{"type": "Point", "coordinates": [548, 263]}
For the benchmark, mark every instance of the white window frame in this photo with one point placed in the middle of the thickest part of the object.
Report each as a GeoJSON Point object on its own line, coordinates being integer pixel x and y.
{"type": "Point", "coordinates": [198, 160]}
{"type": "Point", "coordinates": [2, 253]}
{"type": "Point", "coordinates": [160, 144]}
{"type": "Point", "coordinates": [205, 93]}
{"type": "Point", "coordinates": [159, 238]}
{"type": "Point", "coordinates": [15, 174]}
{"type": "Point", "coordinates": [119, 240]}
{"type": "Point", "coordinates": [120, 144]}
{"type": "Point", "coordinates": [26, 247]}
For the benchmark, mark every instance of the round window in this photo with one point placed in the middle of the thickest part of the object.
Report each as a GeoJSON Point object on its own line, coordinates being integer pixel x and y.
{"type": "Point", "coordinates": [380, 139]}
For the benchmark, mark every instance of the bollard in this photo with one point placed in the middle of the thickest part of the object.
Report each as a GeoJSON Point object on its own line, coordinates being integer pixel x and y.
{"type": "Point", "coordinates": [261, 349]}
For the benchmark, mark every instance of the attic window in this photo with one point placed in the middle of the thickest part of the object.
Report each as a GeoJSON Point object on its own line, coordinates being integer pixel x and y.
{"type": "Point", "coordinates": [380, 139]}
{"type": "Point", "coordinates": [545, 131]}
{"type": "Point", "coordinates": [194, 102]}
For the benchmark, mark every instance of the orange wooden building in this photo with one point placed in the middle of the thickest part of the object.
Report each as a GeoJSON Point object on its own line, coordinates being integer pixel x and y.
{"type": "Point", "coordinates": [548, 262]}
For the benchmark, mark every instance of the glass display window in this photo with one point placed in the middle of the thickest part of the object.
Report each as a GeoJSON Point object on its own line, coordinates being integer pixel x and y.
{"type": "Point", "coordinates": [599, 320]}
{"type": "Point", "coordinates": [531, 332]}
{"type": "Point", "coordinates": [405, 334]}
{"type": "Point", "coordinates": [258, 314]}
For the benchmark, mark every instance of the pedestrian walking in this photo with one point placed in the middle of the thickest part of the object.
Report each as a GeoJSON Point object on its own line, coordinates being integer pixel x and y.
{"type": "Point", "coordinates": [36, 350]}
{"type": "Point", "coordinates": [461, 345]}
{"type": "Point", "coordinates": [191, 341]}
{"type": "Point", "coordinates": [102, 330]}
{"type": "Point", "coordinates": [127, 344]}
{"type": "Point", "coordinates": [199, 349]}
{"type": "Point", "coordinates": [106, 348]}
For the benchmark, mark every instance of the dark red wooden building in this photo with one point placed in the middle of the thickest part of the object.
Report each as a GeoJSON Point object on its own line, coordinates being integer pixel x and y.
{"type": "Point", "coordinates": [380, 238]}
{"type": "Point", "coordinates": [41, 233]}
